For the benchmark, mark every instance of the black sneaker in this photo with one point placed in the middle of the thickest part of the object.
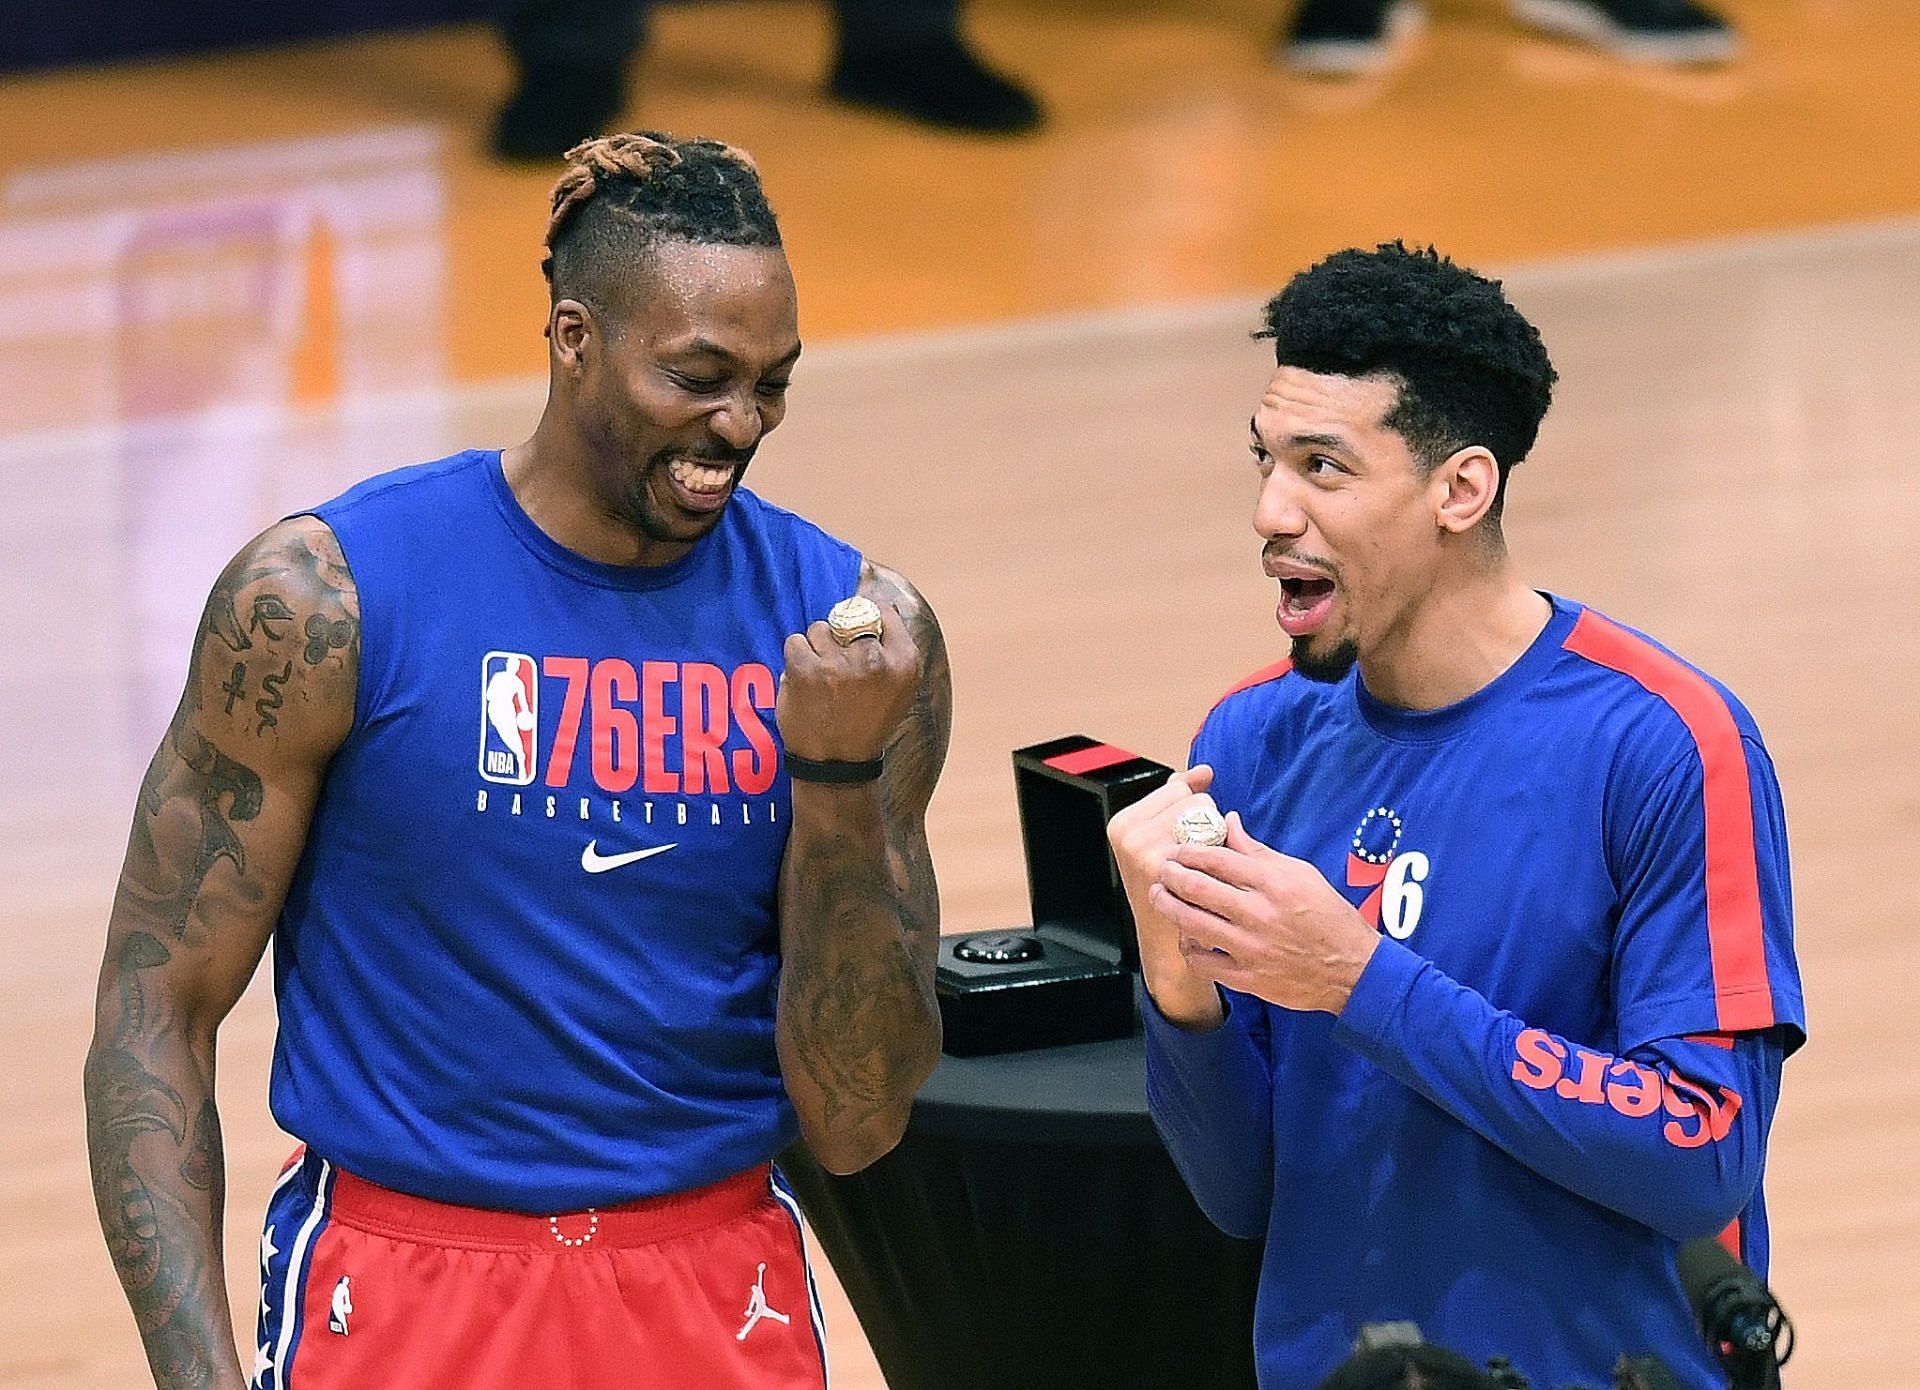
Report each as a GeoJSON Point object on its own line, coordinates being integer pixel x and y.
{"type": "Point", "coordinates": [935, 80]}
{"type": "Point", "coordinates": [1349, 38]}
{"type": "Point", "coordinates": [555, 108]}
{"type": "Point", "coordinates": [1647, 31]}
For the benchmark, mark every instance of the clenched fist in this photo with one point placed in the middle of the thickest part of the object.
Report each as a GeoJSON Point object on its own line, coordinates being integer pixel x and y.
{"type": "Point", "coordinates": [843, 704]}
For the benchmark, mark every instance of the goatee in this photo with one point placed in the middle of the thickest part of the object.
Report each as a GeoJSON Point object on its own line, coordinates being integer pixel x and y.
{"type": "Point", "coordinates": [1328, 667]}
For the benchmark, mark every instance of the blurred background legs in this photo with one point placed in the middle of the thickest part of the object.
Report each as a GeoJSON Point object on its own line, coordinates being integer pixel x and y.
{"type": "Point", "coordinates": [1358, 38]}
{"type": "Point", "coordinates": [905, 58]}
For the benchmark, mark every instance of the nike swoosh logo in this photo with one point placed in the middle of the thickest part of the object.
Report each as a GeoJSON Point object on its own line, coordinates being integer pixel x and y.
{"type": "Point", "coordinates": [596, 863]}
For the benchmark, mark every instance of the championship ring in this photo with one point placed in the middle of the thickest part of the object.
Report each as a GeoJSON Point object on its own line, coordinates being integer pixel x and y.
{"type": "Point", "coordinates": [854, 618]}
{"type": "Point", "coordinates": [1200, 826]}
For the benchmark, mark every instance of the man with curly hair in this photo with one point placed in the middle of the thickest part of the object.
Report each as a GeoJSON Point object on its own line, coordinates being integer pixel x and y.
{"type": "Point", "coordinates": [594, 862]}
{"type": "Point", "coordinates": [1479, 1010]}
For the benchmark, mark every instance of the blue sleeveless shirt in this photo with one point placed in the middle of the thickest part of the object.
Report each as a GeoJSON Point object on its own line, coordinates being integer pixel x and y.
{"type": "Point", "coordinates": [529, 957]}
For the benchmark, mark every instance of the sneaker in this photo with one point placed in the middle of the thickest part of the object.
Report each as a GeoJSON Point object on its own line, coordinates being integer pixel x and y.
{"type": "Point", "coordinates": [555, 108]}
{"type": "Point", "coordinates": [935, 80]}
{"type": "Point", "coordinates": [1349, 38]}
{"type": "Point", "coordinates": [1647, 31]}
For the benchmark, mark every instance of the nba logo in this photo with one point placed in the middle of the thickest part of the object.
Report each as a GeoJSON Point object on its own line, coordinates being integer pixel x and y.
{"type": "Point", "coordinates": [509, 715]}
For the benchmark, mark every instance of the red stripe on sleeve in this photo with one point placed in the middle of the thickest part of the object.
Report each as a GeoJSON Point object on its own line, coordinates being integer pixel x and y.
{"type": "Point", "coordinates": [1260, 677]}
{"type": "Point", "coordinates": [1090, 759]}
{"type": "Point", "coordinates": [1736, 942]}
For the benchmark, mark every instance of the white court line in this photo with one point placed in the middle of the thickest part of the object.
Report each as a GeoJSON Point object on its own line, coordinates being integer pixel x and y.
{"type": "Point", "coordinates": [1233, 313]}
{"type": "Point", "coordinates": [1243, 309]}
{"type": "Point", "coordinates": [279, 164]}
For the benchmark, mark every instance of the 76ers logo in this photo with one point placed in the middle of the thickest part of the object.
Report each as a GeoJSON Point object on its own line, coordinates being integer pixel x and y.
{"type": "Point", "coordinates": [509, 714]}
{"type": "Point", "coordinates": [671, 728]}
{"type": "Point", "coordinates": [1376, 861]}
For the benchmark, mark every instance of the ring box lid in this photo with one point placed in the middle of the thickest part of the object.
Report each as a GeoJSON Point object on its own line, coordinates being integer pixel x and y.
{"type": "Point", "coordinates": [1068, 789]}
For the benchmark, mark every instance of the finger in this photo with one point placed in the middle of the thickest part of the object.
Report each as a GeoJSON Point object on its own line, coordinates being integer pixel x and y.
{"type": "Point", "coordinates": [1168, 794]}
{"type": "Point", "coordinates": [798, 651]}
{"type": "Point", "coordinates": [1167, 822]}
{"type": "Point", "coordinates": [1208, 962]}
{"type": "Point", "coordinates": [1239, 840]}
{"type": "Point", "coordinates": [896, 639]}
{"type": "Point", "coordinates": [1222, 969]}
{"type": "Point", "coordinates": [1222, 862]}
{"type": "Point", "coordinates": [1177, 787]}
{"type": "Point", "coordinates": [1203, 890]}
{"type": "Point", "coordinates": [867, 653]}
{"type": "Point", "coordinates": [1193, 779]}
{"type": "Point", "coordinates": [1153, 834]}
{"type": "Point", "coordinates": [820, 639]}
{"type": "Point", "coordinates": [1207, 928]}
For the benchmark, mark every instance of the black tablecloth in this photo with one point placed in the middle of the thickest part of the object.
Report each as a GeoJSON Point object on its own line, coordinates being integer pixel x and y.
{"type": "Point", "coordinates": [1031, 1230]}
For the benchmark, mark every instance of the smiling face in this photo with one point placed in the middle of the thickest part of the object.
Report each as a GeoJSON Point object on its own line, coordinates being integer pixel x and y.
{"type": "Point", "coordinates": [677, 387]}
{"type": "Point", "coordinates": [1353, 526]}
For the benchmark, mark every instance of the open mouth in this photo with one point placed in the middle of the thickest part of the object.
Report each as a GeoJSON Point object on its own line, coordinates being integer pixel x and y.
{"type": "Point", "coordinates": [1304, 604]}
{"type": "Point", "coordinates": [701, 485]}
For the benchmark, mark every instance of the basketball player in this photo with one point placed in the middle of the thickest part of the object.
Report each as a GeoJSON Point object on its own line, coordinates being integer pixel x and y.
{"type": "Point", "coordinates": [594, 862]}
{"type": "Point", "coordinates": [1480, 1009]}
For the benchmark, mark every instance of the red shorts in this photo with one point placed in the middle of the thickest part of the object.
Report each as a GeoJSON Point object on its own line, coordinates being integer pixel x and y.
{"type": "Point", "coordinates": [708, 1288]}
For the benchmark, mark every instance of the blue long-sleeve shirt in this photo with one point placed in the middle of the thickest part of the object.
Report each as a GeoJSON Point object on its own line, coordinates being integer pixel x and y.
{"type": "Point", "coordinates": [1564, 1056]}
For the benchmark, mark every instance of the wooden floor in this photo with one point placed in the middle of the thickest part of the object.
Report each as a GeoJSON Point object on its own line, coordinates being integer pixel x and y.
{"type": "Point", "coordinates": [230, 287]}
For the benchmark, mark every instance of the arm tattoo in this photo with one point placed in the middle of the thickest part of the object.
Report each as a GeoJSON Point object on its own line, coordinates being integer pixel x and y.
{"type": "Point", "coordinates": [205, 1166]}
{"type": "Point", "coordinates": [857, 985]}
{"type": "Point", "coordinates": [324, 636]}
{"type": "Point", "coordinates": [221, 621]}
{"type": "Point", "coordinates": [166, 1274]}
{"type": "Point", "coordinates": [269, 609]}
{"type": "Point", "coordinates": [845, 1020]}
{"type": "Point", "coordinates": [272, 699]}
{"type": "Point", "coordinates": [192, 796]}
{"type": "Point", "coordinates": [214, 840]}
{"type": "Point", "coordinates": [197, 793]}
{"type": "Point", "coordinates": [913, 764]}
{"type": "Point", "coordinates": [235, 685]}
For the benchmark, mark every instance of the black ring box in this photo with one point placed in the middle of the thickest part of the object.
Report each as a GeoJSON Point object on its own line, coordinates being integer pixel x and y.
{"type": "Point", "coordinates": [1069, 977]}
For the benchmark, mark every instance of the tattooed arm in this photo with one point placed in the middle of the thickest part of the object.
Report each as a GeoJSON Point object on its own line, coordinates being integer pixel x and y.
{"type": "Point", "coordinates": [858, 1028]}
{"type": "Point", "coordinates": [218, 828]}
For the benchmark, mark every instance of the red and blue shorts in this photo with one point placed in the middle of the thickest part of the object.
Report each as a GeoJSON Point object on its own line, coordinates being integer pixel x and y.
{"type": "Point", "coordinates": [362, 1286]}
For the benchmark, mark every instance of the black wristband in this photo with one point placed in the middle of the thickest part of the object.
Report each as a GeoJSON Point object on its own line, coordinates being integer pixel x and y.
{"type": "Point", "coordinates": [812, 770]}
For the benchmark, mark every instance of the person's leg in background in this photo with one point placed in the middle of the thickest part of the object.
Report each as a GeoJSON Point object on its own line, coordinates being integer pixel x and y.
{"type": "Point", "coordinates": [574, 57]}
{"type": "Point", "coordinates": [1350, 38]}
{"type": "Point", "coordinates": [903, 57]}
{"type": "Point", "coordinates": [909, 58]}
{"type": "Point", "coordinates": [1645, 31]}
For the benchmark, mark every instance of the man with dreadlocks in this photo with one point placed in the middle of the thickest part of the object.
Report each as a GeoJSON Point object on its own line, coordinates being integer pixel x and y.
{"type": "Point", "coordinates": [594, 861]}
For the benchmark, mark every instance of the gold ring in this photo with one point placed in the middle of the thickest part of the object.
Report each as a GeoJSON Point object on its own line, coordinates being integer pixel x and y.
{"type": "Point", "coordinates": [1201, 825]}
{"type": "Point", "coordinates": [853, 618]}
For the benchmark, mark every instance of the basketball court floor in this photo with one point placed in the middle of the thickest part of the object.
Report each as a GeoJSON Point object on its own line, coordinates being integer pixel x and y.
{"type": "Point", "coordinates": [229, 287]}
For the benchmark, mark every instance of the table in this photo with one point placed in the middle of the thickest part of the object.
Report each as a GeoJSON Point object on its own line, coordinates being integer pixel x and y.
{"type": "Point", "coordinates": [1030, 1230]}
